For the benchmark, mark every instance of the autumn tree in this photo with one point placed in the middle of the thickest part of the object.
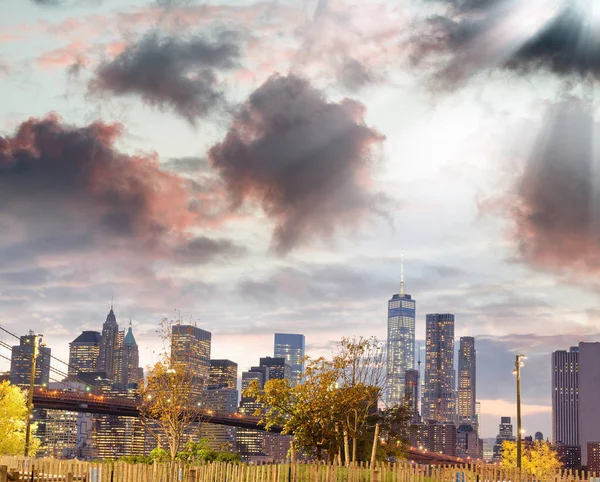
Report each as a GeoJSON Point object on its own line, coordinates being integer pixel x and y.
{"type": "Point", "coordinates": [307, 410]}
{"type": "Point", "coordinates": [335, 404]}
{"type": "Point", "coordinates": [13, 415]}
{"type": "Point", "coordinates": [361, 371]}
{"type": "Point", "coordinates": [170, 397]}
{"type": "Point", "coordinates": [539, 458]}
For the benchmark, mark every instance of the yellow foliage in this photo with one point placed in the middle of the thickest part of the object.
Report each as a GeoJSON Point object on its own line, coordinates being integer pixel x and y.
{"type": "Point", "coordinates": [538, 458]}
{"type": "Point", "coordinates": [13, 415]}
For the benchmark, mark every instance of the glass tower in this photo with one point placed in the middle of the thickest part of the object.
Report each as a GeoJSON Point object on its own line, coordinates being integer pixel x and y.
{"type": "Point", "coordinates": [466, 380]}
{"type": "Point", "coordinates": [438, 394]}
{"type": "Point", "coordinates": [291, 347]}
{"type": "Point", "coordinates": [400, 344]}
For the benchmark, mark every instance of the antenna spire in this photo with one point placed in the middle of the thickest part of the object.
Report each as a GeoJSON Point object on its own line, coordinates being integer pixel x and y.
{"type": "Point", "coordinates": [402, 273]}
{"type": "Point", "coordinates": [112, 296]}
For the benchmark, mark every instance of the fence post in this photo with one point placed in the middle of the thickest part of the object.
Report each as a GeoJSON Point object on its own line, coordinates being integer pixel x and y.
{"type": "Point", "coordinates": [3, 473]}
{"type": "Point", "coordinates": [69, 477]}
{"type": "Point", "coordinates": [192, 475]}
{"type": "Point", "coordinates": [375, 475]}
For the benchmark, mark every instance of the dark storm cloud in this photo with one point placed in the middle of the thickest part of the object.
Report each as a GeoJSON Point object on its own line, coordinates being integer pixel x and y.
{"type": "Point", "coordinates": [171, 73]}
{"type": "Point", "coordinates": [306, 161]}
{"type": "Point", "coordinates": [204, 250]}
{"type": "Point", "coordinates": [476, 36]}
{"type": "Point", "coordinates": [557, 210]}
{"type": "Point", "coordinates": [66, 190]}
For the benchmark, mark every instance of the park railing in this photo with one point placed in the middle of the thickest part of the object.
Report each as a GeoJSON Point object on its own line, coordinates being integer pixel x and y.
{"type": "Point", "coordinates": [46, 470]}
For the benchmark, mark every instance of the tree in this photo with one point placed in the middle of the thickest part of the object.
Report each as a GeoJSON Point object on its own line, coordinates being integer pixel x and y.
{"type": "Point", "coordinates": [169, 398]}
{"type": "Point", "coordinates": [13, 414]}
{"type": "Point", "coordinates": [539, 458]}
{"type": "Point", "coordinates": [335, 403]}
{"type": "Point", "coordinates": [308, 410]}
{"type": "Point", "coordinates": [362, 376]}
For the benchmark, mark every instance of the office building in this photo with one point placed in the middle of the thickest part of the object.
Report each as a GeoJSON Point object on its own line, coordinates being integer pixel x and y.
{"type": "Point", "coordinates": [589, 394]}
{"type": "Point", "coordinates": [291, 347]}
{"type": "Point", "coordinates": [250, 443]}
{"type": "Point", "coordinates": [83, 354]}
{"type": "Point", "coordinates": [466, 409]}
{"type": "Point", "coordinates": [565, 395]}
{"type": "Point", "coordinates": [115, 436]}
{"type": "Point", "coordinates": [223, 374]}
{"type": "Point", "coordinates": [190, 348]}
{"type": "Point", "coordinates": [220, 399]}
{"type": "Point", "coordinates": [441, 437]}
{"type": "Point", "coordinates": [130, 359]}
{"type": "Point", "coordinates": [412, 382]}
{"type": "Point", "coordinates": [539, 437]}
{"type": "Point", "coordinates": [467, 442]}
{"type": "Point", "coordinates": [278, 368]}
{"type": "Point", "coordinates": [593, 457]}
{"type": "Point", "coordinates": [505, 432]}
{"type": "Point", "coordinates": [569, 456]}
{"type": "Point", "coordinates": [400, 343]}
{"type": "Point", "coordinates": [20, 362]}
{"type": "Point", "coordinates": [108, 346]}
{"type": "Point", "coordinates": [277, 446]}
{"type": "Point", "coordinates": [438, 393]}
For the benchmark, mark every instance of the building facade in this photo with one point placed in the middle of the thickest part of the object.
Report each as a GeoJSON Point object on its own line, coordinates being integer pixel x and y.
{"type": "Point", "coordinates": [505, 432]}
{"type": "Point", "coordinates": [589, 395]}
{"type": "Point", "coordinates": [108, 345]}
{"type": "Point", "coordinates": [190, 348]}
{"type": "Point", "coordinates": [278, 368]}
{"type": "Point", "coordinates": [565, 399]}
{"type": "Point", "coordinates": [412, 383]}
{"type": "Point", "coordinates": [130, 359]}
{"type": "Point", "coordinates": [292, 348]}
{"type": "Point", "coordinates": [438, 393]}
{"type": "Point", "coordinates": [466, 409]}
{"type": "Point", "coordinates": [223, 374]}
{"type": "Point", "coordinates": [20, 363]}
{"type": "Point", "coordinates": [222, 400]}
{"type": "Point", "coordinates": [400, 344]}
{"type": "Point", "coordinates": [83, 354]}
{"type": "Point", "coordinates": [250, 443]}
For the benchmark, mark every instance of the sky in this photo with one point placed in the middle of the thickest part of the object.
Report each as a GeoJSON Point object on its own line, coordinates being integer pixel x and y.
{"type": "Point", "coordinates": [262, 167]}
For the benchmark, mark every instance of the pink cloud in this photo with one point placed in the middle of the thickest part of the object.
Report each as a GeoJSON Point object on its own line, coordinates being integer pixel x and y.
{"type": "Point", "coordinates": [74, 53]}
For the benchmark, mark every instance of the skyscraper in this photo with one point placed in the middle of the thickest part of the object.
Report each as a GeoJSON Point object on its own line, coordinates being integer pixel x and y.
{"type": "Point", "coordinates": [466, 380]}
{"type": "Point", "coordinates": [565, 394]}
{"type": "Point", "coordinates": [505, 432]}
{"type": "Point", "coordinates": [20, 363]}
{"type": "Point", "coordinates": [291, 347]}
{"type": "Point", "coordinates": [106, 358]}
{"type": "Point", "coordinates": [438, 394]}
{"type": "Point", "coordinates": [412, 381]}
{"type": "Point", "coordinates": [249, 441]}
{"type": "Point", "coordinates": [130, 358]}
{"type": "Point", "coordinates": [223, 374]}
{"type": "Point", "coordinates": [190, 347]}
{"type": "Point", "coordinates": [83, 353]}
{"type": "Point", "coordinates": [278, 368]}
{"type": "Point", "coordinates": [589, 394]}
{"type": "Point", "coordinates": [400, 343]}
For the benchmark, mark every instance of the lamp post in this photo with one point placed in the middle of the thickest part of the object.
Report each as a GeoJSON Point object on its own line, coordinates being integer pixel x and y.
{"type": "Point", "coordinates": [35, 339]}
{"type": "Point", "coordinates": [517, 371]}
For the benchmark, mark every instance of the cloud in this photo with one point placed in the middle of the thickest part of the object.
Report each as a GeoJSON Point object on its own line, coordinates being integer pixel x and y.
{"type": "Point", "coordinates": [306, 161]}
{"type": "Point", "coordinates": [171, 73]}
{"type": "Point", "coordinates": [556, 206]}
{"type": "Point", "coordinates": [68, 190]}
{"type": "Point", "coordinates": [202, 250]}
{"type": "Point", "coordinates": [351, 43]}
{"type": "Point", "coordinates": [524, 37]}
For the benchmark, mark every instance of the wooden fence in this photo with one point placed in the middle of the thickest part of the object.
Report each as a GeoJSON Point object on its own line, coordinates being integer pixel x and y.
{"type": "Point", "coordinates": [46, 470]}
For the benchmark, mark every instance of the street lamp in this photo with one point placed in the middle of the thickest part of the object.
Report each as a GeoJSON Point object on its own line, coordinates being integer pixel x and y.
{"type": "Point", "coordinates": [517, 371]}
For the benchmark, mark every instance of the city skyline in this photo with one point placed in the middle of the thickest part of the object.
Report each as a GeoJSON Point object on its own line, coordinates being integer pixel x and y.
{"type": "Point", "coordinates": [114, 185]}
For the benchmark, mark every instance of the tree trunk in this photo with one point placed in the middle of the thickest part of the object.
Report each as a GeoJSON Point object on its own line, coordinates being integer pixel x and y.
{"type": "Point", "coordinates": [346, 448]}
{"type": "Point", "coordinates": [374, 451]}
